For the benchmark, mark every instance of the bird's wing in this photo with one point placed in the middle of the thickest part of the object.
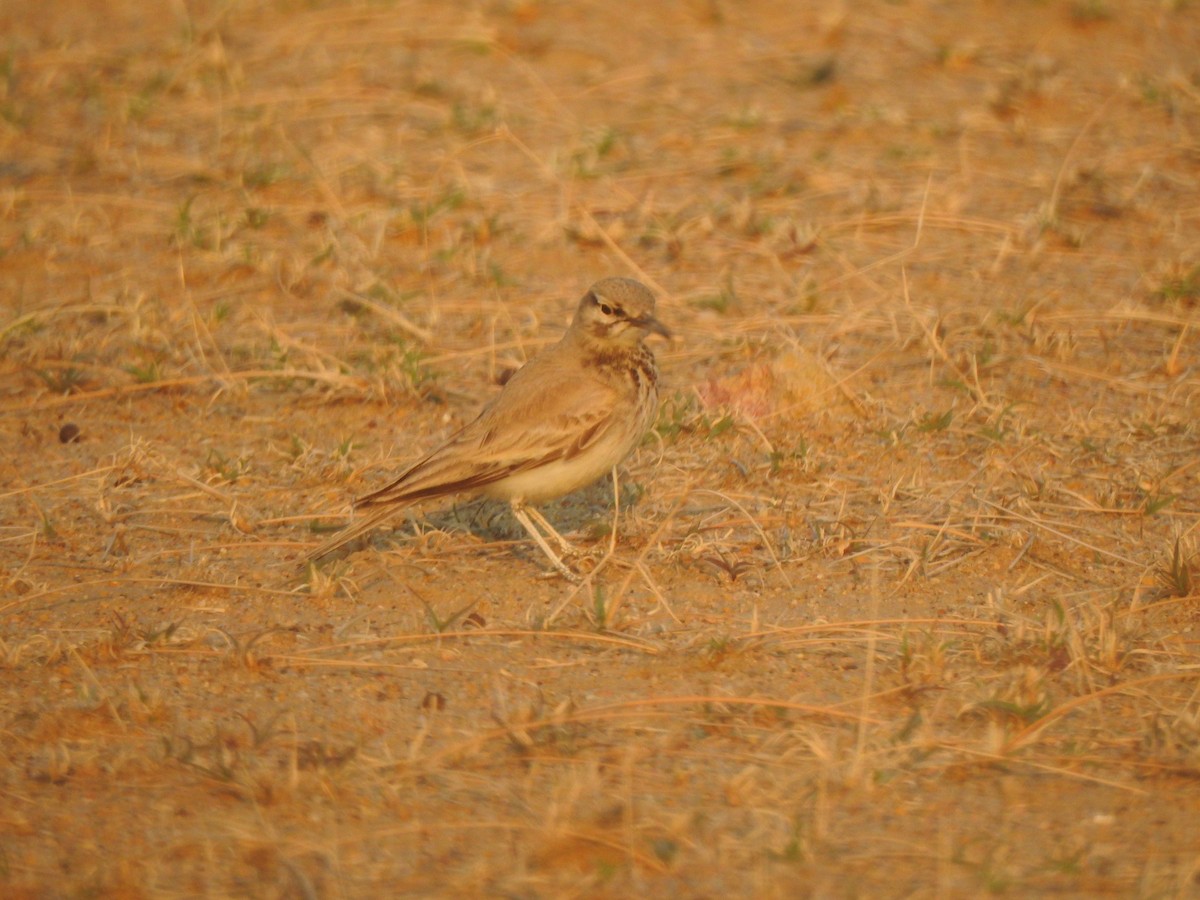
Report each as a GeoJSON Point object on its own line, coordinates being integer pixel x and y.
{"type": "Point", "coordinates": [524, 427]}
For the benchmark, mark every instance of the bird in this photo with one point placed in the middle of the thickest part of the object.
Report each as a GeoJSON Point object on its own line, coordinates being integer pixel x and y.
{"type": "Point", "coordinates": [567, 417]}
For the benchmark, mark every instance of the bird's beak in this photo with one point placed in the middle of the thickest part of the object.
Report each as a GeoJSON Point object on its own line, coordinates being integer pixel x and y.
{"type": "Point", "coordinates": [652, 324]}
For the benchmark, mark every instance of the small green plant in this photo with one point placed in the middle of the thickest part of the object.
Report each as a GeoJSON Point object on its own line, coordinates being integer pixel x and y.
{"type": "Point", "coordinates": [256, 217]}
{"type": "Point", "coordinates": [8, 69]}
{"type": "Point", "coordinates": [679, 414]}
{"type": "Point", "coordinates": [297, 447]}
{"type": "Point", "coordinates": [18, 116]}
{"type": "Point", "coordinates": [190, 231]}
{"type": "Point", "coordinates": [498, 277]}
{"type": "Point", "coordinates": [596, 147]}
{"type": "Point", "coordinates": [65, 380]}
{"type": "Point", "coordinates": [227, 469]}
{"type": "Point", "coordinates": [442, 624]}
{"type": "Point", "coordinates": [934, 422]}
{"type": "Point", "coordinates": [1180, 575]}
{"type": "Point", "coordinates": [49, 532]}
{"type": "Point", "coordinates": [1087, 12]}
{"type": "Point", "coordinates": [264, 175]}
{"type": "Point", "coordinates": [1022, 697]}
{"type": "Point", "coordinates": [1184, 286]}
{"type": "Point", "coordinates": [326, 583]}
{"type": "Point", "coordinates": [599, 606]}
{"type": "Point", "coordinates": [797, 847]}
{"type": "Point", "coordinates": [733, 568]}
{"type": "Point", "coordinates": [719, 302]}
{"type": "Point", "coordinates": [1152, 92]}
{"type": "Point", "coordinates": [992, 874]}
{"type": "Point", "coordinates": [279, 354]}
{"type": "Point", "coordinates": [718, 426]}
{"type": "Point", "coordinates": [1015, 317]}
{"type": "Point", "coordinates": [746, 117]}
{"type": "Point", "coordinates": [664, 849]}
{"type": "Point", "coordinates": [996, 430]}
{"type": "Point", "coordinates": [1070, 863]}
{"type": "Point", "coordinates": [676, 414]}
{"type": "Point", "coordinates": [143, 101]}
{"type": "Point", "coordinates": [923, 660]}
{"type": "Point", "coordinates": [416, 372]}
{"type": "Point", "coordinates": [796, 456]}
{"type": "Point", "coordinates": [813, 73]}
{"type": "Point", "coordinates": [717, 649]}
{"type": "Point", "coordinates": [472, 120]}
{"type": "Point", "coordinates": [186, 230]}
{"type": "Point", "coordinates": [451, 198]}
{"type": "Point", "coordinates": [1156, 502]}
{"type": "Point", "coordinates": [146, 374]}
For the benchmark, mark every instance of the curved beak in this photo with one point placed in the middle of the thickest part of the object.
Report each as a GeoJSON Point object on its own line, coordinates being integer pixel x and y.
{"type": "Point", "coordinates": [651, 324]}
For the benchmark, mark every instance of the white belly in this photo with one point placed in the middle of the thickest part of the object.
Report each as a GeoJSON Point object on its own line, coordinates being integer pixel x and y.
{"type": "Point", "coordinates": [556, 479]}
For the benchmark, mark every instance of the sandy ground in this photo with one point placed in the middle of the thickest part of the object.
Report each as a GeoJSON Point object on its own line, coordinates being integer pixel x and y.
{"type": "Point", "coordinates": [904, 596]}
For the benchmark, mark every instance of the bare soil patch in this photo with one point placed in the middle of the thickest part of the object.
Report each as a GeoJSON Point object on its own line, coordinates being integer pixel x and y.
{"type": "Point", "coordinates": [904, 599]}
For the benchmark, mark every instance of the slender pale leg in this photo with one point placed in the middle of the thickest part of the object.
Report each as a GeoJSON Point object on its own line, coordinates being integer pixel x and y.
{"type": "Point", "coordinates": [565, 547]}
{"type": "Point", "coordinates": [526, 516]}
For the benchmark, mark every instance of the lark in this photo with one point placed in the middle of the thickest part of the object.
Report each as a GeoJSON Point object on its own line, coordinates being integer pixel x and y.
{"type": "Point", "coordinates": [567, 417]}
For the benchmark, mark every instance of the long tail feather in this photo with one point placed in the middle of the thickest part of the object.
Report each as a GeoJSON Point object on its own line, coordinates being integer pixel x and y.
{"type": "Point", "coordinates": [354, 530]}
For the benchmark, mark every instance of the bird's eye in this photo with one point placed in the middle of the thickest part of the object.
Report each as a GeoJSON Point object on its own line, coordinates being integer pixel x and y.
{"type": "Point", "coordinates": [606, 309]}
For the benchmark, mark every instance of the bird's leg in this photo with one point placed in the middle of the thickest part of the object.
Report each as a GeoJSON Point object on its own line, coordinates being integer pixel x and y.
{"type": "Point", "coordinates": [525, 516]}
{"type": "Point", "coordinates": [612, 537]}
{"type": "Point", "coordinates": [565, 547]}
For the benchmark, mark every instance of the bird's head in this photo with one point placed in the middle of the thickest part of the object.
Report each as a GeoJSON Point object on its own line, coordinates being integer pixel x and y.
{"type": "Point", "coordinates": [617, 311]}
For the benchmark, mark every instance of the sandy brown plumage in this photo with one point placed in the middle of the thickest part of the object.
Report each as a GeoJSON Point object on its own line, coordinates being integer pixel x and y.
{"type": "Point", "coordinates": [562, 421]}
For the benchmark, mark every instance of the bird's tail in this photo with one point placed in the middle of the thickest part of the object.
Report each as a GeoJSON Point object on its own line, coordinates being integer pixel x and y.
{"type": "Point", "coordinates": [354, 530]}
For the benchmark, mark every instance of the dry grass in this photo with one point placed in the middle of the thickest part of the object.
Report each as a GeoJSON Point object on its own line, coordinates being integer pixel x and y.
{"type": "Point", "coordinates": [904, 595]}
